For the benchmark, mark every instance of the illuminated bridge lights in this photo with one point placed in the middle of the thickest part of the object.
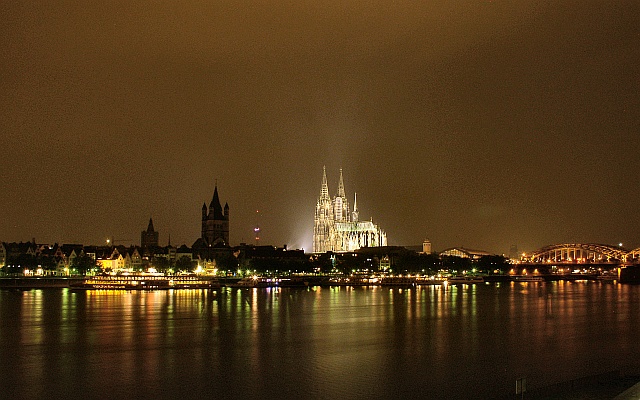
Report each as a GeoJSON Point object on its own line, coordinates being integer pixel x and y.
{"type": "Point", "coordinates": [584, 253]}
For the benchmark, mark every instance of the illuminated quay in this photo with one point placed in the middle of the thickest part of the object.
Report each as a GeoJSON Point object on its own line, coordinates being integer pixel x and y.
{"type": "Point", "coordinates": [171, 268]}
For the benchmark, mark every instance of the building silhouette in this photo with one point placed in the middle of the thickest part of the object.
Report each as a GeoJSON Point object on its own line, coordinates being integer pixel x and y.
{"type": "Point", "coordinates": [337, 228]}
{"type": "Point", "coordinates": [149, 238]}
{"type": "Point", "coordinates": [215, 222]}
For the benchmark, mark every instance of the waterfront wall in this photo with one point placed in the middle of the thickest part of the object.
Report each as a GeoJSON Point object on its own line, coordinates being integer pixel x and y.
{"type": "Point", "coordinates": [37, 282]}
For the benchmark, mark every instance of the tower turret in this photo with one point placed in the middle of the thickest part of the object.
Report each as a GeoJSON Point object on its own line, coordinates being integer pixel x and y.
{"type": "Point", "coordinates": [355, 214]}
{"type": "Point", "coordinates": [341, 192]}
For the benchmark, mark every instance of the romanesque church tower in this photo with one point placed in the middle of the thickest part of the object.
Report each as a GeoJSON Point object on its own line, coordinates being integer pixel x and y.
{"type": "Point", "coordinates": [215, 222]}
{"type": "Point", "coordinates": [149, 238]}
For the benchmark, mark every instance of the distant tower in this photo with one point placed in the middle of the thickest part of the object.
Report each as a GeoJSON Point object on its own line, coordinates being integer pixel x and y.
{"type": "Point", "coordinates": [513, 252]}
{"type": "Point", "coordinates": [256, 230]}
{"type": "Point", "coordinates": [215, 222]}
{"type": "Point", "coordinates": [149, 238]}
{"type": "Point", "coordinates": [426, 247]}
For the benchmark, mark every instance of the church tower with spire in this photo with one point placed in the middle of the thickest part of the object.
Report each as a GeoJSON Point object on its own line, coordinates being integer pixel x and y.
{"type": "Point", "coordinates": [323, 221]}
{"type": "Point", "coordinates": [340, 203]}
{"type": "Point", "coordinates": [215, 222]}
{"type": "Point", "coordinates": [149, 238]}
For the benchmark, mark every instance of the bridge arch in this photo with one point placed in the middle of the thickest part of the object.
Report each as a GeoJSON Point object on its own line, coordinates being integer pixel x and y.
{"type": "Point", "coordinates": [634, 255]}
{"type": "Point", "coordinates": [581, 252]}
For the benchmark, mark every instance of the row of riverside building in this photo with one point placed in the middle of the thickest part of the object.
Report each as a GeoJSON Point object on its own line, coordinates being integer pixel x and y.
{"type": "Point", "coordinates": [31, 258]}
{"type": "Point", "coordinates": [59, 259]}
{"type": "Point", "coordinates": [206, 254]}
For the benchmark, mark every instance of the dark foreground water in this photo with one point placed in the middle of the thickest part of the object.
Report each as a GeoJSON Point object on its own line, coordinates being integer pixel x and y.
{"type": "Point", "coordinates": [431, 342]}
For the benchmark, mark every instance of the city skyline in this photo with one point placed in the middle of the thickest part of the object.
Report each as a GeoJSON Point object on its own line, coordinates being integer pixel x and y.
{"type": "Point", "coordinates": [477, 124]}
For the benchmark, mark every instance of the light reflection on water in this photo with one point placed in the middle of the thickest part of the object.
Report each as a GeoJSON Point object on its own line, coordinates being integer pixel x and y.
{"type": "Point", "coordinates": [431, 342]}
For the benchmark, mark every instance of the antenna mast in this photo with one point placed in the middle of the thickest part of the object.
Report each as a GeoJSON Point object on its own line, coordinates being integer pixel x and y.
{"type": "Point", "coordinates": [256, 230]}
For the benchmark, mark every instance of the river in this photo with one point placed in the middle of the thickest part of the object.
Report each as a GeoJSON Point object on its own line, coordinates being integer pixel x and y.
{"type": "Point", "coordinates": [436, 342]}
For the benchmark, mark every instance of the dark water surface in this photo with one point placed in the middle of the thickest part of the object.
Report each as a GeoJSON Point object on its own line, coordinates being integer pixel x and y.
{"type": "Point", "coordinates": [470, 341]}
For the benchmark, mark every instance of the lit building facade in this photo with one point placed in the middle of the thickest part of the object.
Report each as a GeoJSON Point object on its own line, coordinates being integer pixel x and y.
{"type": "Point", "coordinates": [337, 228]}
{"type": "Point", "coordinates": [464, 253]}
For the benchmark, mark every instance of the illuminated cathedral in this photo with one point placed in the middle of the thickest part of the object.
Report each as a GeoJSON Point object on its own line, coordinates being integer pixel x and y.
{"type": "Point", "coordinates": [337, 228]}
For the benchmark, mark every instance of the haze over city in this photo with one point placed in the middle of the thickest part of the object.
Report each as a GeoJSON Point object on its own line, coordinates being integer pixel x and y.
{"type": "Point", "coordinates": [477, 123]}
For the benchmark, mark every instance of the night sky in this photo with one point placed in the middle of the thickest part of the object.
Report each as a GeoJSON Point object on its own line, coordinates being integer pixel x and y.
{"type": "Point", "coordinates": [472, 123]}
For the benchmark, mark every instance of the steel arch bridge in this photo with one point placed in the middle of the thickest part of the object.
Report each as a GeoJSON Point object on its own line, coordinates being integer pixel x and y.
{"type": "Point", "coordinates": [584, 253]}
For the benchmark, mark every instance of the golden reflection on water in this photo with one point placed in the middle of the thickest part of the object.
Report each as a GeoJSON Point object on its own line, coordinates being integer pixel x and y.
{"type": "Point", "coordinates": [336, 341]}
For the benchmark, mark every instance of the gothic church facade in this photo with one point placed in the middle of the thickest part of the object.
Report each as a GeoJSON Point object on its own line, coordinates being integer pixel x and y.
{"type": "Point", "coordinates": [337, 228]}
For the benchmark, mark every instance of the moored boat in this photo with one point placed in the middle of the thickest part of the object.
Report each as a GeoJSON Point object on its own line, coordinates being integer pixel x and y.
{"type": "Point", "coordinates": [294, 282]}
{"type": "Point", "coordinates": [250, 282]}
{"type": "Point", "coordinates": [404, 281]}
{"type": "Point", "coordinates": [145, 282]}
{"type": "Point", "coordinates": [607, 277]}
{"type": "Point", "coordinates": [430, 281]}
{"type": "Point", "coordinates": [458, 280]}
{"type": "Point", "coordinates": [528, 278]}
{"type": "Point", "coordinates": [355, 281]}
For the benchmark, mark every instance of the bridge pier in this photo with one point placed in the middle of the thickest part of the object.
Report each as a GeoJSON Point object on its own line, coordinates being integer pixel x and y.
{"type": "Point", "coordinates": [629, 274]}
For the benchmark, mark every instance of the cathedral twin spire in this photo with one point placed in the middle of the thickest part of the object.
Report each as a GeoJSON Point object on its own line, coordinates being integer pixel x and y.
{"type": "Point", "coordinates": [337, 228]}
{"type": "Point", "coordinates": [324, 191]}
